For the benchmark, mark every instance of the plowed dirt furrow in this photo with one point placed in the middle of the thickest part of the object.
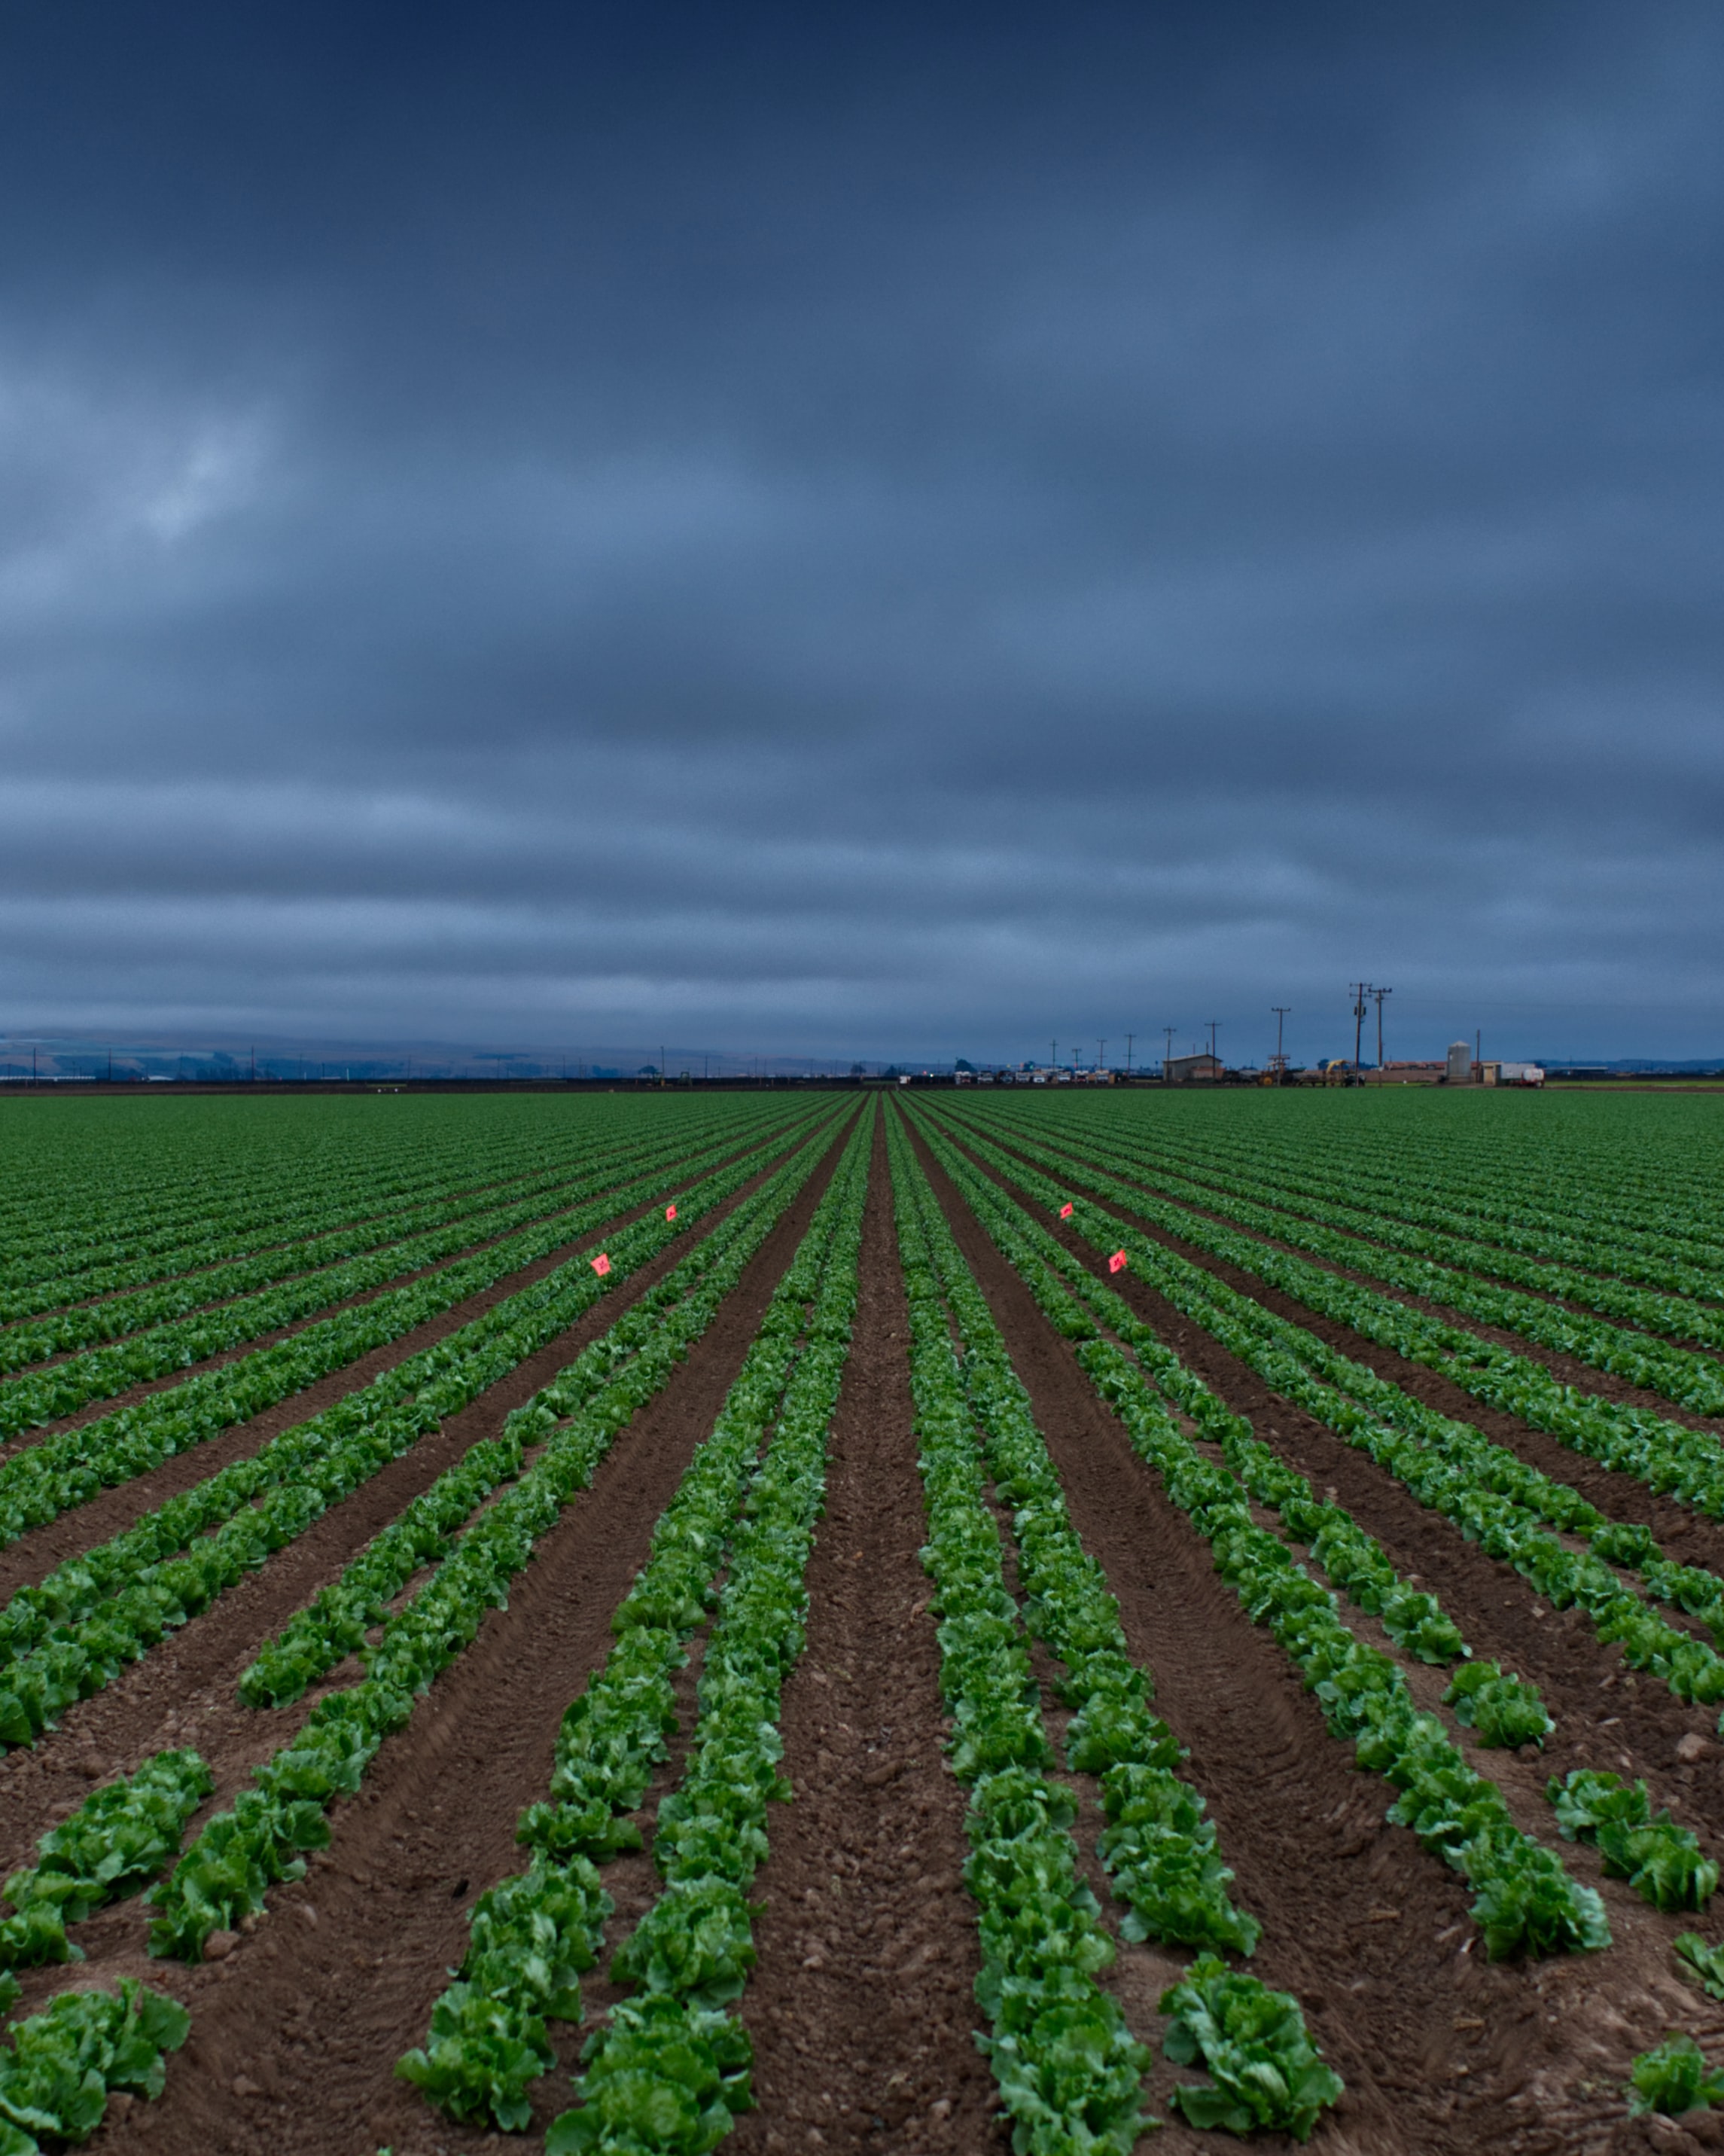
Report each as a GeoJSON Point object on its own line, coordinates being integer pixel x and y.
{"type": "Point", "coordinates": [295, 2037]}
{"type": "Point", "coordinates": [861, 2008]}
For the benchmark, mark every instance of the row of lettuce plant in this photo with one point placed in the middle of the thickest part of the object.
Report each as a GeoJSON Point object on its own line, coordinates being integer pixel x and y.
{"type": "Point", "coordinates": [153, 1203]}
{"type": "Point", "coordinates": [1069, 2069]}
{"type": "Point", "coordinates": [1676, 1316]}
{"type": "Point", "coordinates": [667, 1319]}
{"type": "Point", "coordinates": [532, 1936]}
{"type": "Point", "coordinates": [46, 1395]}
{"type": "Point", "coordinates": [298, 1220]}
{"type": "Point", "coordinates": [1524, 1899]}
{"type": "Point", "coordinates": [60, 2068]}
{"type": "Point", "coordinates": [1599, 1177]}
{"type": "Point", "coordinates": [70, 1467]}
{"type": "Point", "coordinates": [1667, 1867]}
{"type": "Point", "coordinates": [1493, 1496]}
{"type": "Point", "coordinates": [67, 1637]}
{"type": "Point", "coordinates": [1159, 1852]}
{"type": "Point", "coordinates": [1691, 1380]}
{"type": "Point", "coordinates": [123, 1834]}
{"type": "Point", "coordinates": [1671, 1458]}
{"type": "Point", "coordinates": [324, 1263]}
{"type": "Point", "coordinates": [115, 1843]}
{"type": "Point", "coordinates": [227, 1873]}
{"type": "Point", "coordinates": [1496, 1215]}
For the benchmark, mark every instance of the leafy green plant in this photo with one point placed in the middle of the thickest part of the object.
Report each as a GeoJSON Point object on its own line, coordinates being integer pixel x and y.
{"type": "Point", "coordinates": [663, 2077]}
{"type": "Point", "coordinates": [1704, 1962]}
{"type": "Point", "coordinates": [63, 2063]}
{"type": "Point", "coordinates": [1505, 1711]}
{"type": "Point", "coordinates": [118, 1837]}
{"type": "Point", "coordinates": [1590, 1797]}
{"type": "Point", "coordinates": [1672, 2077]}
{"type": "Point", "coordinates": [1263, 2069]}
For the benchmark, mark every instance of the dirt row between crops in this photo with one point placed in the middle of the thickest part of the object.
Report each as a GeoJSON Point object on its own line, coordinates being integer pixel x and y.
{"type": "Point", "coordinates": [144, 1707]}
{"type": "Point", "coordinates": [861, 2010]}
{"type": "Point", "coordinates": [1439, 2050]}
{"type": "Point", "coordinates": [296, 2033]}
{"type": "Point", "coordinates": [1568, 1369]}
{"type": "Point", "coordinates": [36, 1553]}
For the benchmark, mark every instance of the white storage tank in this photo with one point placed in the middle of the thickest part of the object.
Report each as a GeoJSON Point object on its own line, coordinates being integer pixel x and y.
{"type": "Point", "coordinates": [1459, 1071]}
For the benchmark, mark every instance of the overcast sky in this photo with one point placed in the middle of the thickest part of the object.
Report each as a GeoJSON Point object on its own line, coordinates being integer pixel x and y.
{"type": "Point", "coordinates": [874, 530]}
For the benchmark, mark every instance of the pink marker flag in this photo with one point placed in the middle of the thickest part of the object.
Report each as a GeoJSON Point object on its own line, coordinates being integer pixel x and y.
{"type": "Point", "coordinates": [1065, 1212]}
{"type": "Point", "coordinates": [670, 1211]}
{"type": "Point", "coordinates": [1115, 1261]}
{"type": "Point", "coordinates": [601, 1265]}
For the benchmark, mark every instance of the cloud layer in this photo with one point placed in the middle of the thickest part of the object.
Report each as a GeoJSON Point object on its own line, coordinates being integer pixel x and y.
{"type": "Point", "coordinates": [910, 534]}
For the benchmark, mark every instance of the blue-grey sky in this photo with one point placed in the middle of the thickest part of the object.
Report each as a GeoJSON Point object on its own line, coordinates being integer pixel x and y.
{"type": "Point", "coordinates": [884, 530]}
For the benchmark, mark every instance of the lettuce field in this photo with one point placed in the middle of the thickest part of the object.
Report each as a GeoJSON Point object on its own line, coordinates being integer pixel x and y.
{"type": "Point", "coordinates": [949, 1622]}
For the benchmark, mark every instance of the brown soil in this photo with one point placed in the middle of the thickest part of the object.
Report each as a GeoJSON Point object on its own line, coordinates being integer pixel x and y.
{"type": "Point", "coordinates": [1392, 1997]}
{"type": "Point", "coordinates": [861, 2007]}
{"type": "Point", "coordinates": [294, 2036]}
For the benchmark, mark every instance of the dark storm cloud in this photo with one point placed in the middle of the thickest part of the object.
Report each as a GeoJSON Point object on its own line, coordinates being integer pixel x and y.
{"type": "Point", "coordinates": [897, 532]}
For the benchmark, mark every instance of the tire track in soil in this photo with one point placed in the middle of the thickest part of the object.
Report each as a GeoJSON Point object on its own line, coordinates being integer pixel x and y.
{"type": "Point", "coordinates": [861, 2006]}
{"type": "Point", "coordinates": [1302, 1827]}
{"type": "Point", "coordinates": [1566, 1369]}
{"type": "Point", "coordinates": [182, 1691]}
{"type": "Point", "coordinates": [36, 1553]}
{"type": "Point", "coordinates": [295, 2035]}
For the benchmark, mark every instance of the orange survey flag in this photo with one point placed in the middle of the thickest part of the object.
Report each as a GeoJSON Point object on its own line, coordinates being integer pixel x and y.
{"type": "Point", "coordinates": [1115, 1261]}
{"type": "Point", "coordinates": [670, 1211]}
{"type": "Point", "coordinates": [601, 1265]}
{"type": "Point", "coordinates": [1065, 1212]}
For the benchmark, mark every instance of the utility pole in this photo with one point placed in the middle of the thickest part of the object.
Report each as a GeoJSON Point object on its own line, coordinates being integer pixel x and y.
{"type": "Point", "coordinates": [1280, 1011]}
{"type": "Point", "coordinates": [1100, 1054]}
{"type": "Point", "coordinates": [1380, 993]}
{"type": "Point", "coordinates": [1360, 990]}
{"type": "Point", "coordinates": [1130, 1038]}
{"type": "Point", "coordinates": [1054, 1054]}
{"type": "Point", "coordinates": [1214, 1060]}
{"type": "Point", "coordinates": [1166, 1069]}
